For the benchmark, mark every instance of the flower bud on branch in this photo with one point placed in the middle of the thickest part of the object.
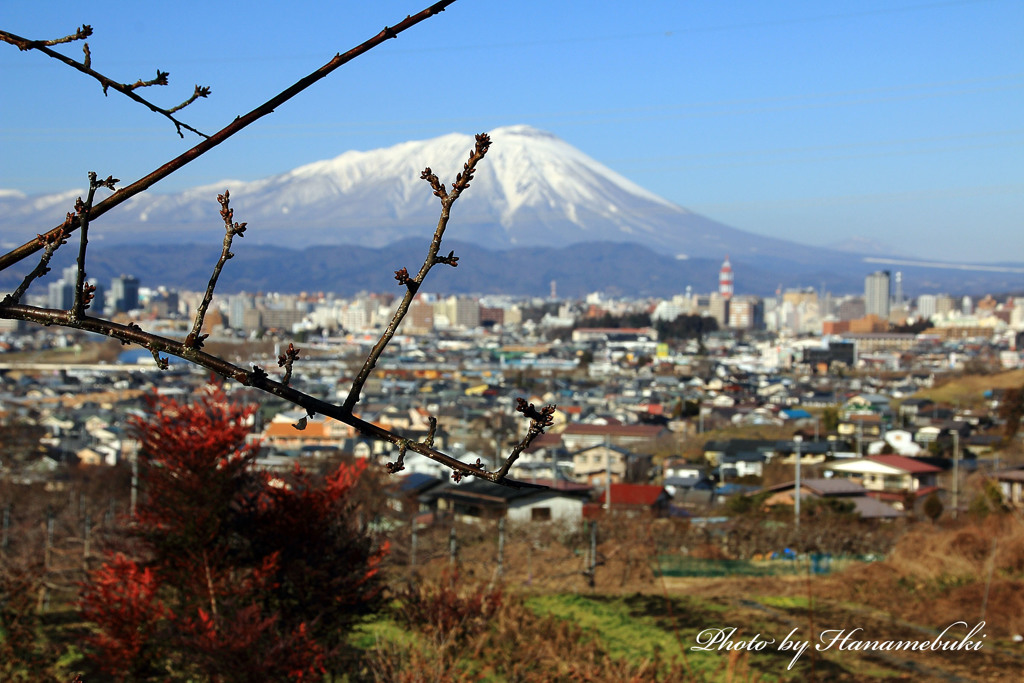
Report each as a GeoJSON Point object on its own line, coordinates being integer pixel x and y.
{"type": "Point", "coordinates": [451, 259]}
{"type": "Point", "coordinates": [399, 464]}
{"type": "Point", "coordinates": [161, 79]}
{"type": "Point", "coordinates": [403, 277]}
{"type": "Point", "coordinates": [286, 360]}
{"type": "Point", "coordinates": [435, 184]}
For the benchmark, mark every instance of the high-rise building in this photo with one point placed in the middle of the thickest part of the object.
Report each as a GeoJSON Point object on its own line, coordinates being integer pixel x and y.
{"type": "Point", "coordinates": [725, 284]}
{"type": "Point", "coordinates": [718, 308]}
{"type": "Point", "coordinates": [421, 316]}
{"type": "Point", "coordinates": [124, 293]}
{"type": "Point", "coordinates": [61, 295]}
{"type": "Point", "coordinates": [944, 304]}
{"type": "Point", "coordinates": [926, 305]}
{"type": "Point", "coordinates": [461, 311]}
{"type": "Point", "coordinates": [238, 304]}
{"type": "Point", "coordinates": [876, 294]}
{"type": "Point", "coordinates": [746, 313]}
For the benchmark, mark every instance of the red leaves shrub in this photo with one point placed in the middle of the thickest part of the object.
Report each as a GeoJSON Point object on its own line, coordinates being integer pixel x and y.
{"type": "Point", "coordinates": [239, 574]}
{"type": "Point", "coordinates": [122, 599]}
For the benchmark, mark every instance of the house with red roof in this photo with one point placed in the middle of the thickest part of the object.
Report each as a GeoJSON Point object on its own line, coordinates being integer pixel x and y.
{"type": "Point", "coordinates": [632, 499]}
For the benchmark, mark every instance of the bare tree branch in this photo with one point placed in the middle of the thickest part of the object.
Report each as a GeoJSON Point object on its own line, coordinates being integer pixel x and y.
{"type": "Point", "coordinates": [83, 290]}
{"type": "Point", "coordinates": [200, 91]}
{"type": "Point", "coordinates": [412, 285]}
{"type": "Point", "coordinates": [83, 32]}
{"type": "Point", "coordinates": [539, 421]}
{"type": "Point", "coordinates": [190, 348]}
{"type": "Point", "coordinates": [195, 337]}
{"type": "Point", "coordinates": [257, 378]}
{"type": "Point", "coordinates": [143, 184]}
{"type": "Point", "coordinates": [85, 66]}
{"type": "Point", "coordinates": [49, 243]}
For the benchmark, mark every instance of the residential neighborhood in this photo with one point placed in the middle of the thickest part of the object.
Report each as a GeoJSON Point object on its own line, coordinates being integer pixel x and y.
{"type": "Point", "coordinates": [660, 424]}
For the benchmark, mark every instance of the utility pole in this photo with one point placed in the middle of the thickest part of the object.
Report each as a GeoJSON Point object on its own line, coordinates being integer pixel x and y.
{"type": "Point", "coordinates": [135, 485]}
{"type": "Point", "coordinates": [607, 475]}
{"type": "Point", "coordinates": [412, 542]}
{"type": "Point", "coordinates": [501, 547]}
{"type": "Point", "coordinates": [452, 551]}
{"type": "Point", "coordinates": [956, 473]}
{"type": "Point", "coordinates": [796, 490]}
{"type": "Point", "coordinates": [49, 537]}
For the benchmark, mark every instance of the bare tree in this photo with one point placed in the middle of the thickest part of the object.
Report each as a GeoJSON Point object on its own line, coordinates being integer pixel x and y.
{"type": "Point", "coordinates": [191, 348]}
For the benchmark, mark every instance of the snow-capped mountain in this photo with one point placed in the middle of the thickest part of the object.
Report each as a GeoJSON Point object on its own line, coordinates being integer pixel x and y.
{"type": "Point", "coordinates": [533, 189]}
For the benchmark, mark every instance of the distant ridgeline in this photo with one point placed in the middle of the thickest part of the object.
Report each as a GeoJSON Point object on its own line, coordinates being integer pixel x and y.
{"type": "Point", "coordinates": [616, 269]}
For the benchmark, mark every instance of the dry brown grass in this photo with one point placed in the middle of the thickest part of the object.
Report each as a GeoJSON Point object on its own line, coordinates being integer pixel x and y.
{"type": "Point", "coordinates": [105, 351]}
{"type": "Point", "coordinates": [937, 575]}
{"type": "Point", "coordinates": [968, 391]}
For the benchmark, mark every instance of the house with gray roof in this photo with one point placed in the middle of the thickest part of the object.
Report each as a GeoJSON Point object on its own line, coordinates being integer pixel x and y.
{"type": "Point", "coordinates": [834, 488]}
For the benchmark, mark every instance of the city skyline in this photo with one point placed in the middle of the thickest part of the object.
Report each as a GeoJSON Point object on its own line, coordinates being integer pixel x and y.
{"type": "Point", "coordinates": [795, 310]}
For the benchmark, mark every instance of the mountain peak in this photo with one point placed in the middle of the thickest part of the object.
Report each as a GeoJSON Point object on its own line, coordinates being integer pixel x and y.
{"type": "Point", "coordinates": [532, 189]}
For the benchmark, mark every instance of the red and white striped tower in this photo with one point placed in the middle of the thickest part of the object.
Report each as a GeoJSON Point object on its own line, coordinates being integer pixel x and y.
{"type": "Point", "coordinates": [725, 279]}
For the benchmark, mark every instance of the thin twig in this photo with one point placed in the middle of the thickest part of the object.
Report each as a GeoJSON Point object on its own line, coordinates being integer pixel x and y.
{"type": "Point", "coordinates": [161, 79]}
{"type": "Point", "coordinates": [539, 421]}
{"type": "Point", "coordinates": [268, 107]}
{"type": "Point", "coordinates": [78, 306]}
{"type": "Point", "coordinates": [200, 91]}
{"type": "Point", "coordinates": [161, 363]}
{"type": "Point", "coordinates": [429, 440]}
{"type": "Point", "coordinates": [83, 290]}
{"type": "Point", "coordinates": [195, 337]}
{"type": "Point", "coordinates": [85, 66]}
{"type": "Point", "coordinates": [49, 243]}
{"type": "Point", "coordinates": [83, 32]}
{"type": "Point", "coordinates": [412, 285]}
{"type": "Point", "coordinates": [399, 464]}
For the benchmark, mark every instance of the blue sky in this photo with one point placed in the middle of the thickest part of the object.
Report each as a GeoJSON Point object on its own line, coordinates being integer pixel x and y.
{"type": "Point", "coordinates": [897, 121]}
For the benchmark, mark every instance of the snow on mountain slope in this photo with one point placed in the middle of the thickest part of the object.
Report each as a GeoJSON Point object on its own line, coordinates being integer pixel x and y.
{"type": "Point", "coordinates": [531, 189]}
